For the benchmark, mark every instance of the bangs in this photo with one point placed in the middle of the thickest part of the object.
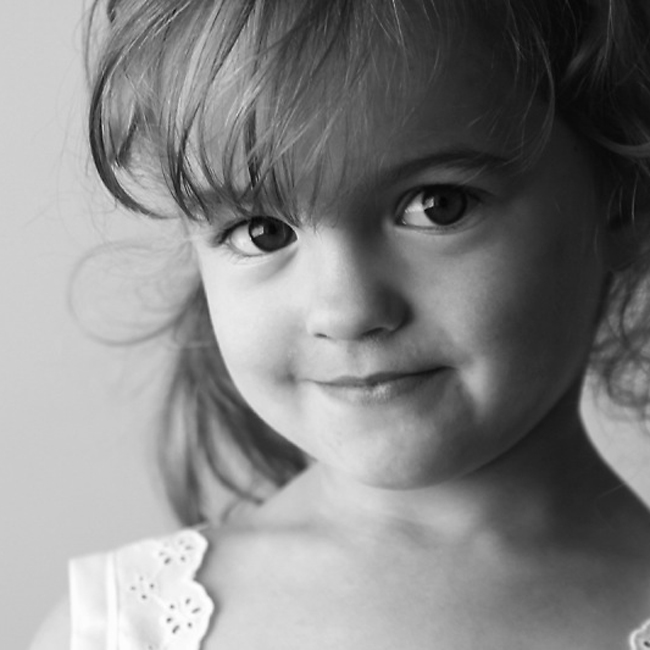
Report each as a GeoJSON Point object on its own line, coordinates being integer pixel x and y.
{"type": "Point", "coordinates": [213, 100]}
{"type": "Point", "coordinates": [220, 103]}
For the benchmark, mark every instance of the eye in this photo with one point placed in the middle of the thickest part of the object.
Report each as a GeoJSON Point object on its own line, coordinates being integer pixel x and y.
{"type": "Point", "coordinates": [259, 236]}
{"type": "Point", "coordinates": [438, 205]}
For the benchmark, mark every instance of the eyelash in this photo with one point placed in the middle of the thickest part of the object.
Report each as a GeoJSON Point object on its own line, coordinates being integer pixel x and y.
{"type": "Point", "coordinates": [469, 198]}
{"type": "Point", "coordinates": [223, 237]}
{"type": "Point", "coordinates": [220, 237]}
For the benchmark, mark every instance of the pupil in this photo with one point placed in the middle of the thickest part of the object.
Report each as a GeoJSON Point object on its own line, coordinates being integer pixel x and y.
{"type": "Point", "coordinates": [445, 207]}
{"type": "Point", "coordinates": [269, 234]}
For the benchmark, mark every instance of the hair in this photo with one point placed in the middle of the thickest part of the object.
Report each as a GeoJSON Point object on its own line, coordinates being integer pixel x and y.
{"type": "Point", "coordinates": [162, 69]}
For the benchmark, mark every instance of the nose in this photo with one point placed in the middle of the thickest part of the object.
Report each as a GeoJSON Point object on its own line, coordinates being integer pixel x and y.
{"type": "Point", "coordinates": [352, 294]}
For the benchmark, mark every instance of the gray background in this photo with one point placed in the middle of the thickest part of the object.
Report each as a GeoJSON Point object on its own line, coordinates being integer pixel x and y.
{"type": "Point", "coordinates": [76, 417]}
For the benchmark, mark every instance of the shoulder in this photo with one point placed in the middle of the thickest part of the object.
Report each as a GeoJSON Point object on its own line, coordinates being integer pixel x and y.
{"type": "Point", "coordinates": [184, 548]}
{"type": "Point", "coordinates": [175, 555]}
{"type": "Point", "coordinates": [55, 632]}
{"type": "Point", "coordinates": [129, 588]}
{"type": "Point", "coordinates": [160, 598]}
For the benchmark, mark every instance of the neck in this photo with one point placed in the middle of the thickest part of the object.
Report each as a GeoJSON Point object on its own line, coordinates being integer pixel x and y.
{"type": "Point", "coordinates": [551, 482]}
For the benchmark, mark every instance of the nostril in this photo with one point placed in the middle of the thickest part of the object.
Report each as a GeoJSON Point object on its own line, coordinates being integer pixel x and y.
{"type": "Point", "coordinates": [351, 292]}
{"type": "Point", "coordinates": [370, 335]}
{"type": "Point", "coordinates": [367, 317]}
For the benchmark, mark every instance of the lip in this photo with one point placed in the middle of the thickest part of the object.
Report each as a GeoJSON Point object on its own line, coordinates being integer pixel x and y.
{"type": "Point", "coordinates": [377, 388]}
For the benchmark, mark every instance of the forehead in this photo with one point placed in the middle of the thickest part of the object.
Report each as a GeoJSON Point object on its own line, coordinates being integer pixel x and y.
{"type": "Point", "coordinates": [279, 120]}
{"type": "Point", "coordinates": [460, 97]}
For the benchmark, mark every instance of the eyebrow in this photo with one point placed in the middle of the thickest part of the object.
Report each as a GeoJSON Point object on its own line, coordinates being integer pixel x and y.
{"type": "Point", "coordinates": [471, 161]}
{"type": "Point", "coordinates": [467, 160]}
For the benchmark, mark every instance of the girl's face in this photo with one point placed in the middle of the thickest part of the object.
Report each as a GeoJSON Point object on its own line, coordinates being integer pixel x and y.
{"type": "Point", "coordinates": [444, 299]}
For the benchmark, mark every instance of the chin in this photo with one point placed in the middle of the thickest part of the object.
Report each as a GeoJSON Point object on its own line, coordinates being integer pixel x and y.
{"type": "Point", "coordinates": [404, 472]}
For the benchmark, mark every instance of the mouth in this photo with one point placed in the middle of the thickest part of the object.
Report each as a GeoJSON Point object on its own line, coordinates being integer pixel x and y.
{"type": "Point", "coordinates": [377, 388]}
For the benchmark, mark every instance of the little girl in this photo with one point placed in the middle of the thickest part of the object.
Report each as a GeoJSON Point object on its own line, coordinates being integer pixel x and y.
{"type": "Point", "coordinates": [419, 226]}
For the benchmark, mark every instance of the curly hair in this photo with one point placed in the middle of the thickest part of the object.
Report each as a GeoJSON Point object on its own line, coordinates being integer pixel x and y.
{"type": "Point", "coordinates": [161, 70]}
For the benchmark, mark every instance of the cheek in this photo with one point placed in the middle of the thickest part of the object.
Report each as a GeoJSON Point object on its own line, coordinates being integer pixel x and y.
{"type": "Point", "coordinates": [253, 333]}
{"type": "Point", "coordinates": [534, 297]}
{"type": "Point", "coordinates": [238, 330]}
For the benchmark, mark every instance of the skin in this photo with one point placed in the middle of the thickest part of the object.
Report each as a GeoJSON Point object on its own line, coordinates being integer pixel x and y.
{"type": "Point", "coordinates": [463, 507]}
{"type": "Point", "coordinates": [498, 311]}
{"type": "Point", "coordinates": [470, 474]}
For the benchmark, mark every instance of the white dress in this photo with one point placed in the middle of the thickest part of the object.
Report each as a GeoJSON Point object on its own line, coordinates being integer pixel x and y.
{"type": "Point", "coordinates": [145, 597]}
{"type": "Point", "coordinates": [141, 597]}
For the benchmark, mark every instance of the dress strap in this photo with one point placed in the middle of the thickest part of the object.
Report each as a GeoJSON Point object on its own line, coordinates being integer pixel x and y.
{"type": "Point", "coordinates": [640, 638]}
{"type": "Point", "coordinates": [141, 597]}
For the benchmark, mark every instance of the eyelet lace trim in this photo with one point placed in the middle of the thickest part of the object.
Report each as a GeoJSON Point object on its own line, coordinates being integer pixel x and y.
{"type": "Point", "coordinates": [640, 639]}
{"type": "Point", "coordinates": [154, 603]}
{"type": "Point", "coordinates": [159, 605]}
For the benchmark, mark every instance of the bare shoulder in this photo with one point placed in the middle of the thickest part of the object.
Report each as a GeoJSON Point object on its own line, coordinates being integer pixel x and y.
{"type": "Point", "coordinates": [54, 633]}
{"type": "Point", "coordinates": [626, 548]}
{"type": "Point", "coordinates": [256, 538]}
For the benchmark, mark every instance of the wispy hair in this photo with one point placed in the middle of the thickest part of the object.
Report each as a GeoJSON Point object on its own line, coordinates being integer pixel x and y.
{"type": "Point", "coordinates": [195, 101]}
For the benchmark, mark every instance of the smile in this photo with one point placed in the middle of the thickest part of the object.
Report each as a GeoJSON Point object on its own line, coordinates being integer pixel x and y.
{"type": "Point", "coordinates": [377, 388]}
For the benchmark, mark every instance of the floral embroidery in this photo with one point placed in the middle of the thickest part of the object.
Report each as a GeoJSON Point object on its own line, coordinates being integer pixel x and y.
{"type": "Point", "coordinates": [143, 588]}
{"type": "Point", "coordinates": [177, 549]}
{"type": "Point", "coordinates": [182, 615]}
{"type": "Point", "coordinates": [156, 604]}
{"type": "Point", "coordinates": [160, 605]}
{"type": "Point", "coordinates": [640, 639]}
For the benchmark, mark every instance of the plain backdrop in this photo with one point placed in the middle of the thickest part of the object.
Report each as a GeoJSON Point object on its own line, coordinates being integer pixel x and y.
{"type": "Point", "coordinates": [77, 417]}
